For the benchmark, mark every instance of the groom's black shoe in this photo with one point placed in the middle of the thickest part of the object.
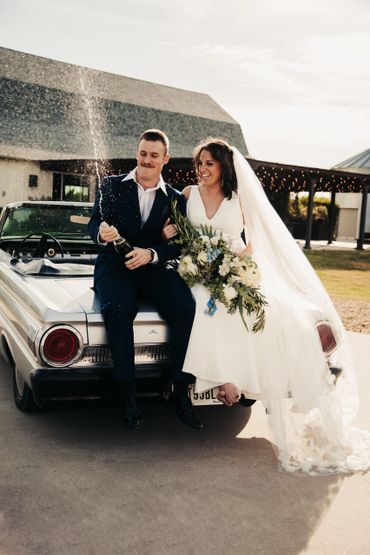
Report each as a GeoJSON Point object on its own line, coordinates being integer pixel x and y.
{"type": "Point", "coordinates": [179, 401]}
{"type": "Point", "coordinates": [181, 404]}
{"type": "Point", "coordinates": [132, 415]}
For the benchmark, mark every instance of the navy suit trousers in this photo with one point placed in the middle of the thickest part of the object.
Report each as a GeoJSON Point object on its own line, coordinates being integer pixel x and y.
{"type": "Point", "coordinates": [119, 291]}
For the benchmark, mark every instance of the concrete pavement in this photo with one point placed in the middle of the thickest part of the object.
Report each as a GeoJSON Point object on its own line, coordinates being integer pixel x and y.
{"type": "Point", "coordinates": [335, 246]}
{"type": "Point", "coordinates": [74, 481]}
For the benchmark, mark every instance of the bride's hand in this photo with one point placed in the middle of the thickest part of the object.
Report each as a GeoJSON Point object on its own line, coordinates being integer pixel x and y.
{"type": "Point", "coordinates": [247, 251]}
{"type": "Point", "coordinates": [228, 394]}
{"type": "Point", "coordinates": [169, 230]}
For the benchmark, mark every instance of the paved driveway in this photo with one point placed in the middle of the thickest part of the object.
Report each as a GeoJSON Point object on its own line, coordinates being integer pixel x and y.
{"type": "Point", "coordinates": [74, 481]}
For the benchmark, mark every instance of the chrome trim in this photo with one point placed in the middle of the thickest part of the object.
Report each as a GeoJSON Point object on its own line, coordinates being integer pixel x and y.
{"type": "Point", "coordinates": [144, 354]}
{"type": "Point", "coordinates": [72, 361]}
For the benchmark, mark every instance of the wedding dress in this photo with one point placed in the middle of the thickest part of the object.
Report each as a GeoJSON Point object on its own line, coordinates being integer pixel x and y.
{"type": "Point", "coordinates": [283, 365]}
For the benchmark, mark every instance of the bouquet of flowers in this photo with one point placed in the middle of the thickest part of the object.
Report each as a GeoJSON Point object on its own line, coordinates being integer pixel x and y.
{"type": "Point", "coordinates": [206, 258]}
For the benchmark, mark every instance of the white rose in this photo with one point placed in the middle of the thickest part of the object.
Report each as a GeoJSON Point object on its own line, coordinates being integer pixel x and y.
{"type": "Point", "coordinates": [234, 279]}
{"type": "Point", "coordinates": [205, 239]}
{"type": "Point", "coordinates": [185, 262]}
{"type": "Point", "coordinates": [256, 281]}
{"type": "Point", "coordinates": [229, 293]}
{"type": "Point", "coordinates": [224, 269]}
{"type": "Point", "coordinates": [251, 277]}
{"type": "Point", "coordinates": [237, 263]}
{"type": "Point", "coordinates": [182, 270]}
{"type": "Point", "coordinates": [202, 256]}
{"type": "Point", "coordinates": [192, 269]}
{"type": "Point", "coordinates": [214, 241]}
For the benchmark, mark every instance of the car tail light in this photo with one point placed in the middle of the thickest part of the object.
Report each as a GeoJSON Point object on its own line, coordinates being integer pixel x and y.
{"type": "Point", "coordinates": [327, 337]}
{"type": "Point", "coordinates": [61, 346]}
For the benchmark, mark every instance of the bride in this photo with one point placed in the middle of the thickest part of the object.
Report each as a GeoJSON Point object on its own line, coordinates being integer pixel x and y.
{"type": "Point", "coordinates": [309, 407]}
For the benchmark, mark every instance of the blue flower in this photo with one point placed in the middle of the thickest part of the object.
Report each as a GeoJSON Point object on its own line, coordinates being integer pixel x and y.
{"type": "Point", "coordinates": [212, 254]}
{"type": "Point", "coordinates": [211, 307]}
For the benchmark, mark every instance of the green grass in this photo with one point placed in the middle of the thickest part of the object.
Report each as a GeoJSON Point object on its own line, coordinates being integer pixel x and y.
{"type": "Point", "coordinates": [345, 274]}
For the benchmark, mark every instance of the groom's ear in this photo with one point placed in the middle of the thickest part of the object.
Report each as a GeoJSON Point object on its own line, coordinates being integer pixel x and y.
{"type": "Point", "coordinates": [166, 158]}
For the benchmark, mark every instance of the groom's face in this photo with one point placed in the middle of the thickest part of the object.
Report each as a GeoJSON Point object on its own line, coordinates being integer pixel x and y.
{"type": "Point", "coordinates": [151, 156]}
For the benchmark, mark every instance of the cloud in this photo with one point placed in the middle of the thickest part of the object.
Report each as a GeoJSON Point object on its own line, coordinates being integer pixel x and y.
{"type": "Point", "coordinates": [326, 69]}
{"type": "Point", "coordinates": [289, 71]}
{"type": "Point", "coordinates": [307, 135]}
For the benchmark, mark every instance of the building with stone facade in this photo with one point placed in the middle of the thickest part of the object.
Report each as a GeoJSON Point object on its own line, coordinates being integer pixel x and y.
{"type": "Point", "coordinates": [58, 121]}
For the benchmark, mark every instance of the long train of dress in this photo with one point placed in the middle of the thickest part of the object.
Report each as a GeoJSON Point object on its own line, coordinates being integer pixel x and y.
{"type": "Point", "coordinates": [284, 365]}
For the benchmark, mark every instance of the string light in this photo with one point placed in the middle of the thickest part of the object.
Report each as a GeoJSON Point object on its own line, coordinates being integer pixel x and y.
{"type": "Point", "coordinates": [273, 178]}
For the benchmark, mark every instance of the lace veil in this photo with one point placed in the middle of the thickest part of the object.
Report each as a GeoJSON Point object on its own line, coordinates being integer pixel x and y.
{"type": "Point", "coordinates": [286, 270]}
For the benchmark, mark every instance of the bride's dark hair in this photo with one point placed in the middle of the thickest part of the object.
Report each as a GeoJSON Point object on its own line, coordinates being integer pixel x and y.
{"type": "Point", "coordinates": [221, 151]}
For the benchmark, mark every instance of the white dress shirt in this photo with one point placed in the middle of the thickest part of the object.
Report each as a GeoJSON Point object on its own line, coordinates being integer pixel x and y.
{"type": "Point", "coordinates": [146, 196]}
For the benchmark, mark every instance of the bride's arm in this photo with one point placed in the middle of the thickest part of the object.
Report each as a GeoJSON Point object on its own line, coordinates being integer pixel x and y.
{"type": "Point", "coordinates": [248, 250]}
{"type": "Point", "coordinates": [186, 191]}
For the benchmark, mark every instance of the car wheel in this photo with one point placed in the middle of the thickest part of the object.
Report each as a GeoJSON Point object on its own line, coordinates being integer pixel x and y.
{"type": "Point", "coordinates": [23, 397]}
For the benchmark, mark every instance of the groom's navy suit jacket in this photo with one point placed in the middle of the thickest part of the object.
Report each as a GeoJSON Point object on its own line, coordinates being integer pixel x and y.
{"type": "Point", "coordinates": [117, 203]}
{"type": "Point", "coordinates": [119, 289]}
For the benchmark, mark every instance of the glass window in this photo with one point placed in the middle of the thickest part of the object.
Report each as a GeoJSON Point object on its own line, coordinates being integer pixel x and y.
{"type": "Point", "coordinates": [70, 187]}
{"type": "Point", "coordinates": [60, 221]}
{"type": "Point", "coordinates": [69, 179]}
{"type": "Point", "coordinates": [75, 193]}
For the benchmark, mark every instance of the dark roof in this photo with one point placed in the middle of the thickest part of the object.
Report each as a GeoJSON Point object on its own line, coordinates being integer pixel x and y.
{"type": "Point", "coordinates": [55, 110]}
{"type": "Point", "coordinates": [359, 163]}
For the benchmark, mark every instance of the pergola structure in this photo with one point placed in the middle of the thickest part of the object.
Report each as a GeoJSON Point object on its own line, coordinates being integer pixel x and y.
{"type": "Point", "coordinates": [359, 164]}
{"type": "Point", "coordinates": [275, 178]}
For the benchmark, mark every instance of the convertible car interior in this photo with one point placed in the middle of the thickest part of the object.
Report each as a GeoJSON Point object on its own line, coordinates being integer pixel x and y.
{"type": "Point", "coordinates": [58, 243]}
{"type": "Point", "coordinates": [46, 267]}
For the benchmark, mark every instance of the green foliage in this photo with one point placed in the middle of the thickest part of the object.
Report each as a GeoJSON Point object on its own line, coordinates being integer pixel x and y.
{"type": "Point", "coordinates": [298, 208]}
{"type": "Point", "coordinates": [344, 273]}
{"type": "Point", "coordinates": [232, 280]}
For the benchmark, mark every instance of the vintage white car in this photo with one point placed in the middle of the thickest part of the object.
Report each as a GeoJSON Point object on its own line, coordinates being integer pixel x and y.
{"type": "Point", "coordinates": [51, 330]}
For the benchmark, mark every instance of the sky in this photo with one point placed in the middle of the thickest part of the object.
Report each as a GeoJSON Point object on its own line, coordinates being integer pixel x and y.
{"type": "Point", "coordinates": [294, 73]}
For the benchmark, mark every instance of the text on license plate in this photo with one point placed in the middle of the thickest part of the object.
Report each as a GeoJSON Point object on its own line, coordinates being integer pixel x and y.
{"type": "Point", "coordinates": [208, 397]}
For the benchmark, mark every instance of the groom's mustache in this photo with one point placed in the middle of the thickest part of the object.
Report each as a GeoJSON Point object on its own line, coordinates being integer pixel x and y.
{"type": "Point", "coordinates": [146, 166]}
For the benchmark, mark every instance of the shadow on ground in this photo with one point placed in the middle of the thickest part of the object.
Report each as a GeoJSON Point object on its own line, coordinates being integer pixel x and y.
{"type": "Point", "coordinates": [74, 481]}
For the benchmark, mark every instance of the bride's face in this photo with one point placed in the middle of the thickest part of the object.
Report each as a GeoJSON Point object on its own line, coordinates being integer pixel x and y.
{"type": "Point", "coordinates": [209, 170]}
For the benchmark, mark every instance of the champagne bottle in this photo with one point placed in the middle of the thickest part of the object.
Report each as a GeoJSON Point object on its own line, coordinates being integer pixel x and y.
{"type": "Point", "coordinates": [122, 246]}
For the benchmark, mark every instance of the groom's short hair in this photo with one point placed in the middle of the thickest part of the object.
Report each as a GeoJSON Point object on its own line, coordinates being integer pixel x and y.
{"type": "Point", "coordinates": [155, 135]}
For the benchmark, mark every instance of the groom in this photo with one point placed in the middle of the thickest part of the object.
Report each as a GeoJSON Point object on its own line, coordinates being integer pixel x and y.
{"type": "Point", "coordinates": [136, 206]}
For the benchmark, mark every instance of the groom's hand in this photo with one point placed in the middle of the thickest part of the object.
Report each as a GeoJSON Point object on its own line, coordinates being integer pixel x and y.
{"type": "Point", "coordinates": [138, 257]}
{"type": "Point", "coordinates": [108, 233]}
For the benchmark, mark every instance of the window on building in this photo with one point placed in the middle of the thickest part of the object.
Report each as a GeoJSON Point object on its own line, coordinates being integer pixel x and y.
{"type": "Point", "coordinates": [71, 187]}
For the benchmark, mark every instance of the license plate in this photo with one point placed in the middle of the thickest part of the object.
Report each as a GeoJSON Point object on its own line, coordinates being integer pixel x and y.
{"type": "Point", "coordinates": [208, 397]}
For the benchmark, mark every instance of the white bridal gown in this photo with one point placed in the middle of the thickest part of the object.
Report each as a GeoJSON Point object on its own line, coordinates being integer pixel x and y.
{"type": "Point", "coordinates": [283, 365]}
